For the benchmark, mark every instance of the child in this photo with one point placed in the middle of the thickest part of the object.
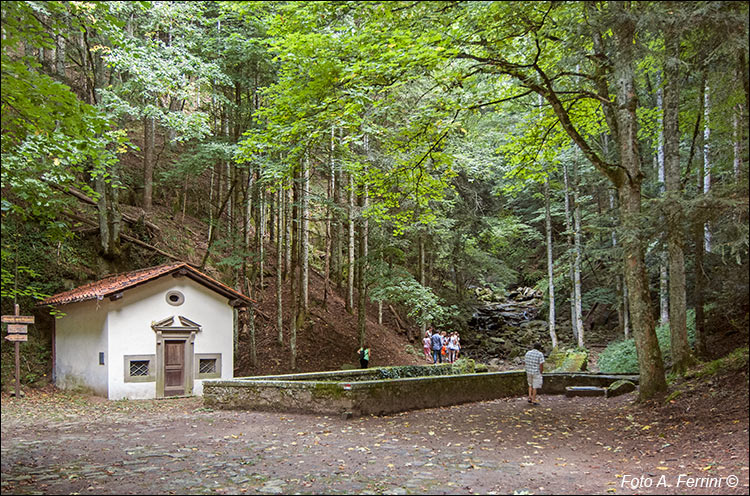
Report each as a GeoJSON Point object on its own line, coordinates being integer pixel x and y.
{"type": "Point", "coordinates": [364, 356]}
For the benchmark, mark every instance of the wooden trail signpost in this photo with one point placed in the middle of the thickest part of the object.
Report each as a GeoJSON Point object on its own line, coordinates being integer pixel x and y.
{"type": "Point", "coordinates": [17, 332]}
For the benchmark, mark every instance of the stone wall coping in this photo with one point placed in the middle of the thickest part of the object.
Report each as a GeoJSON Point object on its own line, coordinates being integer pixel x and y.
{"type": "Point", "coordinates": [327, 373]}
{"type": "Point", "coordinates": [308, 380]}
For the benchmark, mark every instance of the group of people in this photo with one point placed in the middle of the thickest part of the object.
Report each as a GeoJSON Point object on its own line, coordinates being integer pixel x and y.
{"type": "Point", "coordinates": [439, 346]}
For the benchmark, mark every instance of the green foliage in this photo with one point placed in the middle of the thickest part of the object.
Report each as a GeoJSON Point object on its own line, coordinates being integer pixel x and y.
{"type": "Point", "coordinates": [35, 363]}
{"type": "Point", "coordinates": [424, 306]}
{"type": "Point", "coordinates": [404, 371]}
{"type": "Point", "coordinates": [567, 360]}
{"type": "Point", "coordinates": [410, 349]}
{"type": "Point", "coordinates": [735, 361]}
{"type": "Point", "coordinates": [620, 356]}
{"type": "Point", "coordinates": [464, 366]}
{"type": "Point", "coordinates": [30, 259]}
{"type": "Point", "coordinates": [51, 139]}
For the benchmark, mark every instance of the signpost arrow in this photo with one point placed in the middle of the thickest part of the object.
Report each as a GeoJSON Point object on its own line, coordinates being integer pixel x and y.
{"type": "Point", "coordinates": [17, 319]}
{"type": "Point", "coordinates": [17, 332]}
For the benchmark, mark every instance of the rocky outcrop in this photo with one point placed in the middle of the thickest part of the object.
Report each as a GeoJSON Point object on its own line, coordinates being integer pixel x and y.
{"type": "Point", "coordinates": [506, 326]}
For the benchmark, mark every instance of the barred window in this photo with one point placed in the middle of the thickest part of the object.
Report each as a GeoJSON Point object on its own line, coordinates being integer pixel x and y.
{"type": "Point", "coordinates": [207, 366]}
{"type": "Point", "coordinates": [138, 368]}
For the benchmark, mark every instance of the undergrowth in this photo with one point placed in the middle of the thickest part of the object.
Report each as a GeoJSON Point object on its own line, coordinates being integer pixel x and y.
{"type": "Point", "coordinates": [736, 360]}
{"type": "Point", "coordinates": [620, 356]}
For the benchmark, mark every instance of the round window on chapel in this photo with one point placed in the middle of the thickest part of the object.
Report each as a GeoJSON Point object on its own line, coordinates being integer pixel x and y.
{"type": "Point", "coordinates": [175, 298]}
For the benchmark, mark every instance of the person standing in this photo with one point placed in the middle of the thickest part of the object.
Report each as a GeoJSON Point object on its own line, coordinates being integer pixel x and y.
{"type": "Point", "coordinates": [364, 356]}
{"type": "Point", "coordinates": [437, 345]}
{"type": "Point", "coordinates": [452, 347]}
{"type": "Point", "coordinates": [426, 345]}
{"type": "Point", "coordinates": [534, 360]}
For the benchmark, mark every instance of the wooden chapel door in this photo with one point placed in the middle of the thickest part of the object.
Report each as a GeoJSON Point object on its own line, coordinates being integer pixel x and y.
{"type": "Point", "coordinates": [174, 367]}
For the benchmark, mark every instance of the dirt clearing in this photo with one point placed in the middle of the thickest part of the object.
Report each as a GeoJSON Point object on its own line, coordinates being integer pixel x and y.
{"type": "Point", "coordinates": [61, 443]}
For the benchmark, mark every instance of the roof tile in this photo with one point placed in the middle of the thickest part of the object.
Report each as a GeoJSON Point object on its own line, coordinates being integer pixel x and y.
{"type": "Point", "coordinates": [120, 282]}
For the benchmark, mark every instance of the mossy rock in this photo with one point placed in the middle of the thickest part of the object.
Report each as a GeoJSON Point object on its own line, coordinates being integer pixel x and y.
{"type": "Point", "coordinates": [464, 366]}
{"type": "Point", "coordinates": [555, 358]}
{"type": "Point", "coordinates": [568, 360]}
{"type": "Point", "coordinates": [481, 368]}
{"type": "Point", "coordinates": [620, 387]}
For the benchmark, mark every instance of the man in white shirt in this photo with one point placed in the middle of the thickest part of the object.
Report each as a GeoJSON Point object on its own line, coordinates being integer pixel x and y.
{"type": "Point", "coordinates": [534, 367]}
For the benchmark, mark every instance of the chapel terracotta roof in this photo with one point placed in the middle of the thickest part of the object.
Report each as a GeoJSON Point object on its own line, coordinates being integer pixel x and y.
{"type": "Point", "coordinates": [114, 284]}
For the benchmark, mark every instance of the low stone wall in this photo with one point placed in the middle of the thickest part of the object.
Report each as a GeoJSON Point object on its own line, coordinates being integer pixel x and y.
{"type": "Point", "coordinates": [556, 382]}
{"type": "Point", "coordinates": [345, 392]}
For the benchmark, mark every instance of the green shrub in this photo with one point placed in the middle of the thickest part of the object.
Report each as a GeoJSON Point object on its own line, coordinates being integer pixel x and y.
{"type": "Point", "coordinates": [414, 352]}
{"type": "Point", "coordinates": [463, 366]}
{"type": "Point", "coordinates": [620, 356]}
{"type": "Point", "coordinates": [403, 371]}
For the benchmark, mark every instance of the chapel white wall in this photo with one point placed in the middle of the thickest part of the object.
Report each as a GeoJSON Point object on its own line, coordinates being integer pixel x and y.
{"type": "Point", "coordinates": [130, 332]}
{"type": "Point", "coordinates": [79, 338]}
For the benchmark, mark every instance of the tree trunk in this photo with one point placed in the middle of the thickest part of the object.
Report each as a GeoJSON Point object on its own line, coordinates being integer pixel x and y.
{"type": "Point", "coordinates": [60, 57]}
{"type": "Point", "coordinates": [110, 218]}
{"type": "Point", "coordinates": [288, 220]}
{"type": "Point", "coordinates": [681, 356]}
{"type": "Point", "coordinates": [422, 277]}
{"type": "Point", "coordinates": [149, 128]}
{"type": "Point", "coordinates": [294, 276]}
{"type": "Point", "coordinates": [737, 142]}
{"type": "Point", "coordinates": [211, 206]}
{"type": "Point", "coordinates": [279, 264]}
{"type": "Point", "coordinates": [651, 366]}
{"type": "Point", "coordinates": [329, 233]}
{"type": "Point", "coordinates": [578, 257]}
{"type": "Point", "coordinates": [338, 225]}
{"type": "Point", "coordinates": [707, 165]}
{"type": "Point", "coordinates": [663, 256]}
{"type": "Point", "coordinates": [362, 269]}
{"type": "Point", "coordinates": [571, 253]}
{"type": "Point", "coordinates": [700, 275]}
{"type": "Point", "coordinates": [305, 236]}
{"type": "Point", "coordinates": [246, 231]}
{"type": "Point", "coordinates": [550, 269]}
{"type": "Point", "coordinates": [350, 260]}
{"type": "Point", "coordinates": [260, 233]}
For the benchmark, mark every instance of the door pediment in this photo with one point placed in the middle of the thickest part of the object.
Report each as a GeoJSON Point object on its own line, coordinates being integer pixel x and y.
{"type": "Point", "coordinates": [168, 325]}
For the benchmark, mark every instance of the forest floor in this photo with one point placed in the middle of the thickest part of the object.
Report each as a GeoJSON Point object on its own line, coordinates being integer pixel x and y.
{"type": "Point", "coordinates": [55, 442]}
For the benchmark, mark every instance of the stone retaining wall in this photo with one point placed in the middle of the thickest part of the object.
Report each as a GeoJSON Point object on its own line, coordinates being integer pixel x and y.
{"type": "Point", "coordinates": [556, 382]}
{"type": "Point", "coordinates": [345, 392]}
